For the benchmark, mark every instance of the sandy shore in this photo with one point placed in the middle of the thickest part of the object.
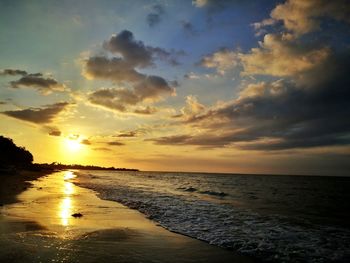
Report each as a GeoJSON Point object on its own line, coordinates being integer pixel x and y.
{"type": "Point", "coordinates": [39, 227]}
{"type": "Point", "coordinates": [14, 184]}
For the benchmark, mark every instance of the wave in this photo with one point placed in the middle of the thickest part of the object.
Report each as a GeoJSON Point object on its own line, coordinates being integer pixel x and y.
{"type": "Point", "coordinates": [267, 237]}
{"type": "Point", "coordinates": [206, 192]}
{"type": "Point", "coordinates": [187, 189]}
{"type": "Point", "coordinates": [221, 194]}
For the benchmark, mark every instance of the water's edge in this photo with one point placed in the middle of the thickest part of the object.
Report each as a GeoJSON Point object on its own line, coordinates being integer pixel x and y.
{"type": "Point", "coordinates": [267, 237]}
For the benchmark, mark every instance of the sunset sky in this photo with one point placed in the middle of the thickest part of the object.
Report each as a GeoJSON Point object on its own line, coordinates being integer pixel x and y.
{"type": "Point", "coordinates": [215, 86]}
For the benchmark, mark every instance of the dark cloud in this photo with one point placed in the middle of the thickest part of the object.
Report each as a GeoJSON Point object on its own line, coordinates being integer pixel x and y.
{"type": "Point", "coordinates": [135, 53]}
{"type": "Point", "coordinates": [146, 111]}
{"type": "Point", "coordinates": [116, 143]}
{"type": "Point", "coordinates": [172, 140]}
{"type": "Point", "coordinates": [13, 72]}
{"type": "Point", "coordinates": [38, 115]}
{"type": "Point", "coordinates": [128, 134]}
{"type": "Point", "coordinates": [102, 149]}
{"type": "Point", "coordinates": [86, 142]}
{"type": "Point", "coordinates": [37, 81]}
{"type": "Point", "coordinates": [123, 100]}
{"type": "Point", "coordinates": [215, 5]}
{"type": "Point", "coordinates": [2, 103]}
{"type": "Point", "coordinates": [153, 87]}
{"type": "Point", "coordinates": [122, 70]}
{"type": "Point", "coordinates": [115, 99]}
{"type": "Point", "coordinates": [132, 133]}
{"type": "Point", "coordinates": [188, 28]}
{"type": "Point", "coordinates": [155, 17]}
{"type": "Point", "coordinates": [310, 111]}
{"type": "Point", "coordinates": [115, 69]}
{"type": "Point", "coordinates": [55, 132]}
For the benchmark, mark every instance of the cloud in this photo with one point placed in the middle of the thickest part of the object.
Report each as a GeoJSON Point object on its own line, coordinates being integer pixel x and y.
{"type": "Point", "coordinates": [132, 133]}
{"type": "Point", "coordinates": [310, 111]}
{"type": "Point", "coordinates": [146, 110]}
{"type": "Point", "coordinates": [114, 98]}
{"type": "Point", "coordinates": [37, 81]}
{"type": "Point", "coordinates": [222, 60]}
{"type": "Point", "coordinates": [125, 100]}
{"type": "Point", "coordinates": [153, 87]}
{"type": "Point", "coordinates": [214, 5]}
{"type": "Point", "coordinates": [155, 17]}
{"type": "Point", "coordinates": [278, 55]}
{"type": "Point", "coordinates": [135, 53]}
{"type": "Point", "coordinates": [13, 72]}
{"type": "Point", "coordinates": [52, 131]}
{"type": "Point", "coordinates": [38, 115]}
{"type": "Point", "coordinates": [260, 26]}
{"type": "Point", "coordinates": [102, 149]}
{"type": "Point", "coordinates": [301, 17]}
{"type": "Point", "coordinates": [192, 108]}
{"type": "Point", "coordinates": [85, 142]}
{"type": "Point", "coordinates": [128, 134]}
{"type": "Point", "coordinates": [191, 75]}
{"type": "Point", "coordinates": [55, 133]}
{"type": "Point", "coordinates": [115, 69]}
{"type": "Point", "coordinates": [136, 87]}
{"type": "Point", "coordinates": [172, 140]}
{"type": "Point", "coordinates": [115, 143]}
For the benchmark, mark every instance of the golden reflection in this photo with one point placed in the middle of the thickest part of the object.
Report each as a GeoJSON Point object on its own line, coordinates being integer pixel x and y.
{"type": "Point", "coordinates": [69, 175]}
{"type": "Point", "coordinates": [68, 188]}
{"type": "Point", "coordinates": [66, 210]}
{"type": "Point", "coordinates": [66, 205]}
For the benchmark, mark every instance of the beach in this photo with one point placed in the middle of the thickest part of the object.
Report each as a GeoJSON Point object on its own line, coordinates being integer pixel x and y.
{"type": "Point", "coordinates": [36, 225]}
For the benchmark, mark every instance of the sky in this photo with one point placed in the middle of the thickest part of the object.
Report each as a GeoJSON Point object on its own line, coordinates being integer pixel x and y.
{"type": "Point", "coordinates": [203, 86]}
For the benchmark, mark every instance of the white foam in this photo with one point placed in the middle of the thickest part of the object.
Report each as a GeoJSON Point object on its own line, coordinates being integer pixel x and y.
{"type": "Point", "coordinates": [269, 237]}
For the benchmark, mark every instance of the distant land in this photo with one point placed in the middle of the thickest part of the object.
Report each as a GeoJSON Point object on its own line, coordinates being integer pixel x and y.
{"type": "Point", "coordinates": [59, 166]}
{"type": "Point", "coordinates": [13, 157]}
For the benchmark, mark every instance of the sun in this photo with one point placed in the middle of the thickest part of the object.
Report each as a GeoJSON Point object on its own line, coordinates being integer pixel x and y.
{"type": "Point", "coordinates": [72, 145]}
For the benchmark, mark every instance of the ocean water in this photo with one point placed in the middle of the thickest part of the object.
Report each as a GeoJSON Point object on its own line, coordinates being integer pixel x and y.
{"type": "Point", "coordinates": [270, 217]}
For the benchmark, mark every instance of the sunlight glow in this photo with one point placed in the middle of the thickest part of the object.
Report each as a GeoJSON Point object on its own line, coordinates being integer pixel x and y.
{"type": "Point", "coordinates": [72, 145]}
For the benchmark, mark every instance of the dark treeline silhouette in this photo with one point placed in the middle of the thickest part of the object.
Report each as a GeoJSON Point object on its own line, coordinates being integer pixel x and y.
{"type": "Point", "coordinates": [59, 166]}
{"type": "Point", "coordinates": [13, 157]}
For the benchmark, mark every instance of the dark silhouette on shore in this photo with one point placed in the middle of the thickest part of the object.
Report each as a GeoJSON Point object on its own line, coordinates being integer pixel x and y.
{"type": "Point", "coordinates": [60, 166]}
{"type": "Point", "coordinates": [13, 157]}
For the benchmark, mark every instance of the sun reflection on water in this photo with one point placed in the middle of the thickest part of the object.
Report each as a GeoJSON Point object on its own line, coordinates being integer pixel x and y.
{"type": "Point", "coordinates": [66, 204]}
{"type": "Point", "coordinates": [69, 175]}
{"type": "Point", "coordinates": [68, 188]}
{"type": "Point", "coordinates": [66, 209]}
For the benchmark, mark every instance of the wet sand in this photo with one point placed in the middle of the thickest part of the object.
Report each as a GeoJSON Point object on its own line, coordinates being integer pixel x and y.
{"type": "Point", "coordinates": [41, 228]}
{"type": "Point", "coordinates": [13, 184]}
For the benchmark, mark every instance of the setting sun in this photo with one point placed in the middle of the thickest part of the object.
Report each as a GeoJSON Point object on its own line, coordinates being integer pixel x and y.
{"type": "Point", "coordinates": [72, 145]}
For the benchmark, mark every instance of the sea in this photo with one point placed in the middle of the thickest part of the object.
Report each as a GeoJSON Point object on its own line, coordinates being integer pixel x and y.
{"type": "Point", "coordinates": [274, 218]}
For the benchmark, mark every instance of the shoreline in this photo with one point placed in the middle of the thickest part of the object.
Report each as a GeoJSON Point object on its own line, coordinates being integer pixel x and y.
{"type": "Point", "coordinates": [13, 184]}
{"type": "Point", "coordinates": [113, 231]}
